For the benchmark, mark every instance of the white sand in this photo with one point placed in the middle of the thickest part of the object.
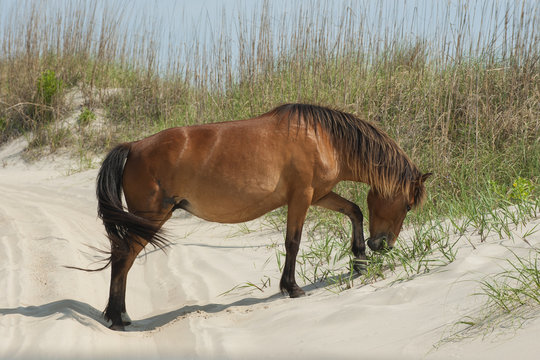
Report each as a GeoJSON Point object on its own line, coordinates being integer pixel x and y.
{"type": "Point", "coordinates": [46, 310]}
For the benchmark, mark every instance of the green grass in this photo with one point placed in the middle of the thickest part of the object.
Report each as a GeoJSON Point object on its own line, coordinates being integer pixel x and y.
{"type": "Point", "coordinates": [509, 299]}
{"type": "Point", "coordinates": [86, 117]}
{"type": "Point", "coordinates": [516, 287]}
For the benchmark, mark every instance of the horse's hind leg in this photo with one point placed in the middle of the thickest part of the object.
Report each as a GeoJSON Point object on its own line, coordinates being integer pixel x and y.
{"type": "Point", "coordinates": [296, 216]}
{"type": "Point", "coordinates": [121, 262]}
{"type": "Point", "coordinates": [333, 201]}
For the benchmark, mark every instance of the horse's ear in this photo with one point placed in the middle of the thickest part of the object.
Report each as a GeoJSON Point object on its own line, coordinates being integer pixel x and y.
{"type": "Point", "coordinates": [419, 191]}
{"type": "Point", "coordinates": [424, 177]}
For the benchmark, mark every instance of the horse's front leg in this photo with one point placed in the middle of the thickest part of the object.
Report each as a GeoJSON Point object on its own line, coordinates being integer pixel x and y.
{"type": "Point", "coordinates": [296, 215]}
{"type": "Point", "coordinates": [333, 201]}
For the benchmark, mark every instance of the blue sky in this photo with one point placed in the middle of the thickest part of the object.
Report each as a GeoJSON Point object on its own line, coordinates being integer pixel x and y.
{"type": "Point", "coordinates": [176, 24]}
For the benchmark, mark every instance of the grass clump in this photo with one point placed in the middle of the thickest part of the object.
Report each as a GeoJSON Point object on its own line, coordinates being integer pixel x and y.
{"type": "Point", "coordinates": [517, 287]}
{"type": "Point", "coordinates": [522, 189]}
{"type": "Point", "coordinates": [50, 137]}
{"type": "Point", "coordinates": [86, 117]}
{"type": "Point", "coordinates": [510, 299]}
{"type": "Point", "coordinates": [48, 87]}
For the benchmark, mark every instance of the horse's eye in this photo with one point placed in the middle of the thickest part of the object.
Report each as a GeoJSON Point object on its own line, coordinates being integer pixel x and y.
{"type": "Point", "coordinates": [408, 207]}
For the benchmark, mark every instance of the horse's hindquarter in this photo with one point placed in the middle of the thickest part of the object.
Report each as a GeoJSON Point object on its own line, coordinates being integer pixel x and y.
{"type": "Point", "coordinates": [235, 171]}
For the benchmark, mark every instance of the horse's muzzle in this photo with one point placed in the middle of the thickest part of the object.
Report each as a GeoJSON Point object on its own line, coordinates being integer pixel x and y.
{"type": "Point", "coordinates": [380, 243]}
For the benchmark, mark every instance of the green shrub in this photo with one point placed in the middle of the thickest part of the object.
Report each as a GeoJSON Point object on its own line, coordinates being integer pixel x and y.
{"type": "Point", "coordinates": [522, 189]}
{"type": "Point", "coordinates": [86, 117]}
{"type": "Point", "coordinates": [48, 86]}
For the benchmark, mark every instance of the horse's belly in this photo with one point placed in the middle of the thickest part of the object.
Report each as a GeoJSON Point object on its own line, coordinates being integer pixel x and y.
{"type": "Point", "coordinates": [232, 209]}
{"type": "Point", "coordinates": [234, 188]}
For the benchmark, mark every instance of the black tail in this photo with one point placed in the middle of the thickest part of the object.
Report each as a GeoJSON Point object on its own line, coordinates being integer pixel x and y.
{"type": "Point", "coordinates": [121, 226]}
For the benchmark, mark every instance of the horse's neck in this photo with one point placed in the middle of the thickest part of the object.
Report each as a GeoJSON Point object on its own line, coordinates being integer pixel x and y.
{"type": "Point", "coordinates": [349, 173]}
{"type": "Point", "coordinates": [367, 174]}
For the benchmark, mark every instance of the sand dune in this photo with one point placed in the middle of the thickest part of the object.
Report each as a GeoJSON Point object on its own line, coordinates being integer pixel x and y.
{"type": "Point", "coordinates": [177, 300]}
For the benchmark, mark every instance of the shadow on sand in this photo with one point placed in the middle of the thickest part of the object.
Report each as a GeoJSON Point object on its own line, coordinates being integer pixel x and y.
{"type": "Point", "coordinates": [83, 312]}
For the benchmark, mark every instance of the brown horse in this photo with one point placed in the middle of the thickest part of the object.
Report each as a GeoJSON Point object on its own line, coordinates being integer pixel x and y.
{"type": "Point", "coordinates": [237, 171]}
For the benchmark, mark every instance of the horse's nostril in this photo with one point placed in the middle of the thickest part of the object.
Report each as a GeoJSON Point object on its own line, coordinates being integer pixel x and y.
{"type": "Point", "coordinates": [380, 243]}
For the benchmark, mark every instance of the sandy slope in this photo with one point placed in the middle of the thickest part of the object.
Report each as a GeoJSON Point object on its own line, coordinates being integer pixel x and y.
{"type": "Point", "coordinates": [47, 218]}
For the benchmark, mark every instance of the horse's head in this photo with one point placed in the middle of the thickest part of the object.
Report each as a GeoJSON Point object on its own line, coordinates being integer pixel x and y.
{"type": "Point", "coordinates": [386, 215]}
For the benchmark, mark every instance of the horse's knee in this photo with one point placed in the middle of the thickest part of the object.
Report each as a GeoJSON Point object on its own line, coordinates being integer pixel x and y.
{"type": "Point", "coordinates": [356, 214]}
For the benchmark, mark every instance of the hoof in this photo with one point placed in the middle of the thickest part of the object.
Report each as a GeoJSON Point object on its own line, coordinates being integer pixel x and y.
{"type": "Point", "coordinates": [296, 293]}
{"type": "Point", "coordinates": [126, 320]}
{"type": "Point", "coordinates": [117, 327]}
{"type": "Point", "coordinates": [360, 265]}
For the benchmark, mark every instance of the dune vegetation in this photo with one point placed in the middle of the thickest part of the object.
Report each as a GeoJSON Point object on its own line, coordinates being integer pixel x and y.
{"type": "Point", "coordinates": [463, 105]}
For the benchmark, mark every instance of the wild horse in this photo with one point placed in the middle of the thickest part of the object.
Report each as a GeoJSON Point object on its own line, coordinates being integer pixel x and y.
{"type": "Point", "coordinates": [237, 171]}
